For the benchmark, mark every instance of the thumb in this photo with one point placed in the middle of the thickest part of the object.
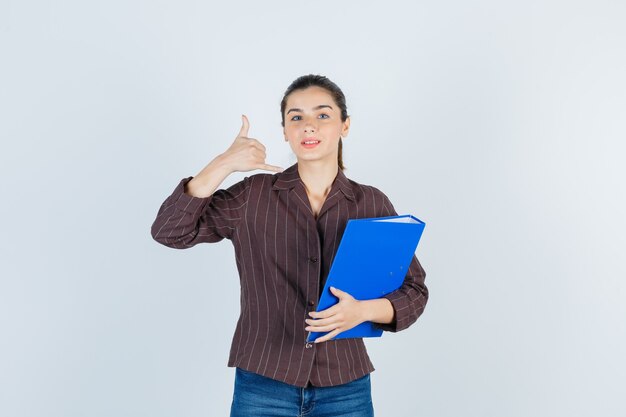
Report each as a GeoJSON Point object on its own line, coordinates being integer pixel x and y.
{"type": "Point", "coordinates": [244, 127]}
{"type": "Point", "coordinates": [337, 292]}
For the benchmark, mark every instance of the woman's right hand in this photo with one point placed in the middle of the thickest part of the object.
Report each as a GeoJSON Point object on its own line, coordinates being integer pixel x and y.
{"type": "Point", "coordinates": [246, 154]}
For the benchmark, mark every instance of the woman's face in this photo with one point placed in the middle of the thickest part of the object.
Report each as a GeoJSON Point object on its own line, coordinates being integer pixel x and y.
{"type": "Point", "coordinates": [312, 115]}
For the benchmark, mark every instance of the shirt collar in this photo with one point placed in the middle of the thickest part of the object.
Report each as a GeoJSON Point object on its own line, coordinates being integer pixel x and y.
{"type": "Point", "coordinates": [290, 177]}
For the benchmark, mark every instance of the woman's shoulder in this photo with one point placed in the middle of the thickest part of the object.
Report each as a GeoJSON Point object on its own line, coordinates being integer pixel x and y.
{"type": "Point", "coordinates": [372, 196]}
{"type": "Point", "coordinates": [366, 189]}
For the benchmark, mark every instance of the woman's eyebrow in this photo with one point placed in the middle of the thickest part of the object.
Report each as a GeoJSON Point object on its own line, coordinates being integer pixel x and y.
{"type": "Point", "coordinates": [321, 106]}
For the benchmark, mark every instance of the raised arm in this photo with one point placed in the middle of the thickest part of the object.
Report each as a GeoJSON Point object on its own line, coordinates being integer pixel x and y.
{"type": "Point", "coordinates": [197, 211]}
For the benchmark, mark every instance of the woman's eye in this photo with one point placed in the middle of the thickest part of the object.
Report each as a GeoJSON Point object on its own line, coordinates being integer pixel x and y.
{"type": "Point", "coordinates": [323, 114]}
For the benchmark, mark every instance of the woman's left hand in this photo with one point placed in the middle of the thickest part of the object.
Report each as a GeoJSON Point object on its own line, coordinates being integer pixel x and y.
{"type": "Point", "coordinates": [344, 315]}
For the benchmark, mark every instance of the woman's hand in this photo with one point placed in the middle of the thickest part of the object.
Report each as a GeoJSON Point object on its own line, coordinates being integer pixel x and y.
{"type": "Point", "coordinates": [246, 154]}
{"type": "Point", "coordinates": [346, 314]}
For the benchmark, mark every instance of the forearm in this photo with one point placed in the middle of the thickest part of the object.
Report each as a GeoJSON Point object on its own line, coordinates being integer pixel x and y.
{"type": "Point", "coordinates": [209, 179]}
{"type": "Point", "coordinates": [378, 310]}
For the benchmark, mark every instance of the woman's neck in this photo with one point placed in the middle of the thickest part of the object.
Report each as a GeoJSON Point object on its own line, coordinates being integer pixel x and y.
{"type": "Point", "coordinates": [317, 176]}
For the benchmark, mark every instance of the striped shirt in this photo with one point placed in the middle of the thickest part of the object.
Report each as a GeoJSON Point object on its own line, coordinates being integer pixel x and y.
{"type": "Point", "coordinates": [283, 255]}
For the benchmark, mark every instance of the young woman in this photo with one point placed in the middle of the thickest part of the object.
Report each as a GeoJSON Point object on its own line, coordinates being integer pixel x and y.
{"type": "Point", "coordinates": [285, 227]}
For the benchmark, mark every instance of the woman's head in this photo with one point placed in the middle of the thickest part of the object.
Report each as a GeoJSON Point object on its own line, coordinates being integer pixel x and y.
{"type": "Point", "coordinates": [314, 107]}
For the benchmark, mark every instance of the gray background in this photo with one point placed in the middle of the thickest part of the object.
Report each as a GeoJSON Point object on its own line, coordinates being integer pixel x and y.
{"type": "Point", "coordinates": [504, 119]}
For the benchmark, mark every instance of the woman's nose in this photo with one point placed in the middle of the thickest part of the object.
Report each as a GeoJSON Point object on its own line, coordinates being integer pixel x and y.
{"type": "Point", "coordinates": [309, 127]}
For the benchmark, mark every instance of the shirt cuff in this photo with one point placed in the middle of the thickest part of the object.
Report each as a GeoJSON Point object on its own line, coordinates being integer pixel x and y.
{"type": "Point", "coordinates": [186, 202]}
{"type": "Point", "coordinates": [400, 311]}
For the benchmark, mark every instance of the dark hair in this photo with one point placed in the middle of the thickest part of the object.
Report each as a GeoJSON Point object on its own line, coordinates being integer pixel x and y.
{"type": "Point", "coordinates": [312, 80]}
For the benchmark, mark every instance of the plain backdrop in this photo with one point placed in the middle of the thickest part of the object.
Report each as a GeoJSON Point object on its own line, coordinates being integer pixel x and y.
{"type": "Point", "coordinates": [501, 124]}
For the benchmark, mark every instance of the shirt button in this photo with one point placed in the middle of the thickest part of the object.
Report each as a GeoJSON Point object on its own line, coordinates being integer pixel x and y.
{"type": "Point", "coordinates": [311, 303]}
{"type": "Point", "coordinates": [313, 259]}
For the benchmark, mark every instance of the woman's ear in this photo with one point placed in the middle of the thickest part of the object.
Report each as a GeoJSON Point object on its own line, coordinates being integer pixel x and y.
{"type": "Point", "coordinates": [346, 128]}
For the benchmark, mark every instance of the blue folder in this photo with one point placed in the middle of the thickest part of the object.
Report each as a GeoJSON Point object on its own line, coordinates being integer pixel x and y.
{"type": "Point", "coordinates": [372, 260]}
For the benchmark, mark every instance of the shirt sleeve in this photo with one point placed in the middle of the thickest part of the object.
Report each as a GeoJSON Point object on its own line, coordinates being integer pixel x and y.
{"type": "Point", "coordinates": [184, 220]}
{"type": "Point", "coordinates": [409, 300]}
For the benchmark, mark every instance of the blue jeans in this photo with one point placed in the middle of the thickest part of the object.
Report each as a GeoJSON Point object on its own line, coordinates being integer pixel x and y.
{"type": "Point", "coordinates": [259, 396]}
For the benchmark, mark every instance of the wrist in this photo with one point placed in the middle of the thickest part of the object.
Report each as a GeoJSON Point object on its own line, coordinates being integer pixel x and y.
{"type": "Point", "coordinates": [220, 164]}
{"type": "Point", "coordinates": [378, 310]}
{"type": "Point", "coordinates": [366, 310]}
{"type": "Point", "coordinates": [208, 180]}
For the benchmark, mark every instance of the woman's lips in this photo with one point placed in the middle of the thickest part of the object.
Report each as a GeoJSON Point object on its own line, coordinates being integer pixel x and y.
{"type": "Point", "coordinates": [313, 143]}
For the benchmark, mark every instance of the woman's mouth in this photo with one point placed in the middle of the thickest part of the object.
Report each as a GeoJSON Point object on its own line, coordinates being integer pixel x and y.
{"type": "Point", "coordinates": [310, 143]}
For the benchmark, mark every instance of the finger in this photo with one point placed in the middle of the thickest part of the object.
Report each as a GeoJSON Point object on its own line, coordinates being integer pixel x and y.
{"type": "Point", "coordinates": [270, 168]}
{"type": "Point", "coordinates": [244, 126]}
{"type": "Point", "coordinates": [257, 144]}
{"type": "Point", "coordinates": [331, 311]}
{"type": "Point", "coordinates": [328, 336]}
{"type": "Point", "coordinates": [259, 154]}
{"type": "Point", "coordinates": [338, 293]}
{"type": "Point", "coordinates": [320, 322]}
{"type": "Point", "coordinates": [321, 329]}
